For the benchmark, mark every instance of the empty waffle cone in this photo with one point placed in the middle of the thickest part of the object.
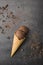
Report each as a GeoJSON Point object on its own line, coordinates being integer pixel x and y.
{"type": "Point", "coordinates": [18, 39]}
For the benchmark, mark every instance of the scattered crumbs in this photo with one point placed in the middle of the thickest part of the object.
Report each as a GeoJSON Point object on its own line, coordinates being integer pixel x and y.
{"type": "Point", "coordinates": [36, 49]}
{"type": "Point", "coordinates": [3, 20]}
{"type": "Point", "coordinates": [35, 46]}
{"type": "Point", "coordinates": [4, 7]}
{"type": "Point", "coordinates": [11, 15]}
{"type": "Point", "coordinates": [8, 37]}
{"type": "Point", "coordinates": [8, 17]}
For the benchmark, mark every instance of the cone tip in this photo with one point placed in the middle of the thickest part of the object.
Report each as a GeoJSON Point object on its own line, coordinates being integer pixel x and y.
{"type": "Point", "coordinates": [11, 54]}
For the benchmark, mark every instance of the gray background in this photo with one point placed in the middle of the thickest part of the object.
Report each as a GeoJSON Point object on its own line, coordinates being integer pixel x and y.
{"type": "Point", "coordinates": [29, 13]}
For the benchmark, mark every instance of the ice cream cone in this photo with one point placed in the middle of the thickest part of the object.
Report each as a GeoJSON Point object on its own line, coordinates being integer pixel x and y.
{"type": "Point", "coordinates": [16, 44]}
{"type": "Point", "coordinates": [19, 37]}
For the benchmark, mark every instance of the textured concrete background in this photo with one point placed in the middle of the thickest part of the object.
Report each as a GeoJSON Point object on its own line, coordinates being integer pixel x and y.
{"type": "Point", "coordinates": [29, 13]}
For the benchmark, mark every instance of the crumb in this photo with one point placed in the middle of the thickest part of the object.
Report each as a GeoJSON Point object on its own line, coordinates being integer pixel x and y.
{"type": "Point", "coordinates": [42, 49]}
{"type": "Point", "coordinates": [30, 56]}
{"type": "Point", "coordinates": [35, 46]}
{"type": "Point", "coordinates": [22, 49]}
{"type": "Point", "coordinates": [2, 31]}
{"type": "Point", "coordinates": [7, 26]}
{"type": "Point", "coordinates": [3, 15]}
{"type": "Point", "coordinates": [8, 16]}
{"type": "Point", "coordinates": [40, 56]}
{"type": "Point", "coordinates": [40, 52]}
{"type": "Point", "coordinates": [0, 8]}
{"type": "Point", "coordinates": [1, 12]}
{"type": "Point", "coordinates": [18, 7]}
{"type": "Point", "coordinates": [9, 21]}
{"type": "Point", "coordinates": [8, 37]}
{"type": "Point", "coordinates": [13, 21]}
{"type": "Point", "coordinates": [24, 20]}
{"type": "Point", "coordinates": [0, 27]}
{"type": "Point", "coordinates": [11, 12]}
{"type": "Point", "coordinates": [13, 16]}
{"type": "Point", "coordinates": [3, 20]}
{"type": "Point", "coordinates": [4, 7]}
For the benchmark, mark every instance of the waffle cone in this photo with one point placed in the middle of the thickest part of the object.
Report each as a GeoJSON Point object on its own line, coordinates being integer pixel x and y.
{"type": "Point", "coordinates": [16, 44]}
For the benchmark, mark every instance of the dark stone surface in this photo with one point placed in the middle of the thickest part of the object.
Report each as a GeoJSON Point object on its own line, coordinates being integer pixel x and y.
{"type": "Point", "coordinates": [29, 13]}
